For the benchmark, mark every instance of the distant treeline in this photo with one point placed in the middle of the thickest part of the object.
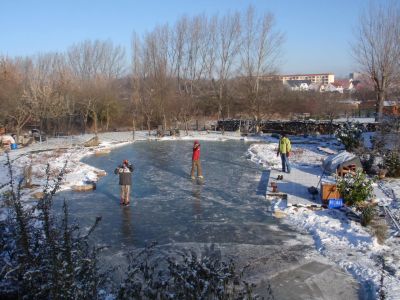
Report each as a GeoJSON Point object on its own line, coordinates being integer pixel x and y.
{"type": "Point", "coordinates": [199, 68]}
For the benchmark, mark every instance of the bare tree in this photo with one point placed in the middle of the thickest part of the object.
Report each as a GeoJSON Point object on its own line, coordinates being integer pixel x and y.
{"type": "Point", "coordinates": [48, 88]}
{"type": "Point", "coordinates": [144, 67]}
{"type": "Point", "coordinates": [158, 72]}
{"type": "Point", "coordinates": [261, 47]}
{"type": "Point", "coordinates": [95, 66]}
{"type": "Point", "coordinates": [91, 59]}
{"type": "Point", "coordinates": [227, 45]}
{"type": "Point", "coordinates": [377, 47]}
{"type": "Point", "coordinates": [16, 105]}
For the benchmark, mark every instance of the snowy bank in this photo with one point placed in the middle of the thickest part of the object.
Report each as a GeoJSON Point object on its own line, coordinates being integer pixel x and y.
{"type": "Point", "coordinates": [341, 240]}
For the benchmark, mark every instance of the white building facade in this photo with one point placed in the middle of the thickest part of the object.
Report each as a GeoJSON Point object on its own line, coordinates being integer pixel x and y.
{"type": "Point", "coordinates": [323, 78]}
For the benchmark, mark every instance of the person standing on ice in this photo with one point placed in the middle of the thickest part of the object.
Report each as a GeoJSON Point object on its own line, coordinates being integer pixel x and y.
{"type": "Point", "coordinates": [284, 150]}
{"type": "Point", "coordinates": [125, 180]}
{"type": "Point", "coordinates": [196, 161]}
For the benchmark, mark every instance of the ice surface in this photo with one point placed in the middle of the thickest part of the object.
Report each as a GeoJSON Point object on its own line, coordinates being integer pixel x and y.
{"type": "Point", "coordinates": [229, 209]}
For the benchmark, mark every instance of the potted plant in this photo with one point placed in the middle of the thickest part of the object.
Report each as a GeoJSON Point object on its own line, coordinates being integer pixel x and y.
{"type": "Point", "coordinates": [355, 189]}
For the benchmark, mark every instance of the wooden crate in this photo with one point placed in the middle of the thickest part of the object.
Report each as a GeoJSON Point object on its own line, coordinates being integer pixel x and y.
{"type": "Point", "coordinates": [329, 191]}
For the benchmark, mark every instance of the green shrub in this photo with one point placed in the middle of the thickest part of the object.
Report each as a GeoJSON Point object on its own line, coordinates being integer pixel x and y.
{"type": "Point", "coordinates": [355, 188]}
{"type": "Point", "coordinates": [392, 164]}
{"type": "Point", "coordinates": [367, 214]}
{"type": "Point", "coordinates": [349, 134]}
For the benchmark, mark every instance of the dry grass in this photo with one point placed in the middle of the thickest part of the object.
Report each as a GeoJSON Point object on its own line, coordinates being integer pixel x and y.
{"type": "Point", "coordinates": [298, 151]}
{"type": "Point", "coordinates": [379, 229]}
{"type": "Point", "coordinates": [59, 152]}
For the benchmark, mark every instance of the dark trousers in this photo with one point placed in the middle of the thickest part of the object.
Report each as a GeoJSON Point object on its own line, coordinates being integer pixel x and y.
{"type": "Point", "coordinates": [285, 163]}
{"type": "Point", "coordinates": [196, 163]}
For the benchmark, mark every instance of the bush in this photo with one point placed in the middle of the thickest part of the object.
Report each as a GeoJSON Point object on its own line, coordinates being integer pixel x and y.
{"type": "Point", "coordinates": [349, 134]}
{"type": "Point", "coordinates": [367, 214]}
{"type": "Point", "coordinates": [392, 164]}
{"type": "Point", "coordinates": [372, 162]}
{"type": "Point", "coordinates": [42, 257]}
{"type": "Point", "coordinates": [380, 230]}
{"type": "Point", "coordinates": [184, 275]}
{"type": "Point", "coordinates": [355, 188]}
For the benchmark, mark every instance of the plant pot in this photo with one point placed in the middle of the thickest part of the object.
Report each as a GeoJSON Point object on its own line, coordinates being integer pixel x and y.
{"type": "Point", "coordinates": [382, 174]}
{"type": "Point", "coordinates": [274, 187]}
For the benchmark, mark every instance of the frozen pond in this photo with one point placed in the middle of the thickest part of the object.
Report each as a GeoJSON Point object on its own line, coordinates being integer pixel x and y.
{"type": "Point", "coordinates": [228, 209]}
{"type": "Point", "coordinates": [168, 207]}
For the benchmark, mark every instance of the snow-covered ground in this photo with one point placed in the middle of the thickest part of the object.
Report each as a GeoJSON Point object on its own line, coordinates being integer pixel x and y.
{"type": "Point", "coordinates": [355, 119]}
{"type": "Point", "coordinates": [341, 240]}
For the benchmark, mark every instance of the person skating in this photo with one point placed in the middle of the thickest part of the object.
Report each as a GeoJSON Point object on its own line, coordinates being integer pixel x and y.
{"type": "Point", "coordinates": [284, 150]}
{"type": "Point", "coordinates": [196, 161]}
{"type": "Point", "coordinates": [125, 180]}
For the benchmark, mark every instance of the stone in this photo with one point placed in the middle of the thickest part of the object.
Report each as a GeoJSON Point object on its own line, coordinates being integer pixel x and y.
{"type": "Point", "coordinates": [83, 188]}
{"type": "Point", "coordinates": [100, 173]}
{"type": "Point", "coordinates": [38, 195]}
{"type": "Point", "coordinates": [103, 151]}
{"type": "Point", "coordinates": [93, 142]}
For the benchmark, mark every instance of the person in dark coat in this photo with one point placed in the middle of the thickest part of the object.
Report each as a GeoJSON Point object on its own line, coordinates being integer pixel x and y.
{"type": "Point", "coordinates": [125, 180]}
{"type": "Point", "coordinates": [196, 161]}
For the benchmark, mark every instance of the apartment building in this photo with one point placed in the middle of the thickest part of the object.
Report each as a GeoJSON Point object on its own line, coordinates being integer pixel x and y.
{"type": "Point", "coordinates": [324, 78]}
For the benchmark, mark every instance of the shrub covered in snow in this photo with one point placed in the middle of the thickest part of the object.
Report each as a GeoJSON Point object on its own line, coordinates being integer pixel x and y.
{"type": "Point", "coordinates": [184, 275]}
{"type": "Point", "coordinates": [350, 135]}
{"type": "Point", "coordinates": [42, 257]}
{"type": "Point", "coordinates": [372, 161]}
{"type": "Point", "coordinates": [355, 188]}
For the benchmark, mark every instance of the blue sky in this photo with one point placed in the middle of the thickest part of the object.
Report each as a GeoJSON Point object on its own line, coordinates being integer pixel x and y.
{"type": "Point", "coordinates": [318, 32]}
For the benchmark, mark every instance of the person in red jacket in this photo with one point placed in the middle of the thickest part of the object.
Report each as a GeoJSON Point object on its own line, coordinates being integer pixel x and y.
{"type": "Point", "coordinates": [196, 161]}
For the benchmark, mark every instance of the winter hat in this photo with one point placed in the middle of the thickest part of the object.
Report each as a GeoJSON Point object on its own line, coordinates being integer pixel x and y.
{"type": "Point", "coordinates": [196, 142]}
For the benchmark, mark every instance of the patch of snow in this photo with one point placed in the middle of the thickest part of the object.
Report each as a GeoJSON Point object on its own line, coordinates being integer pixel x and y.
{"type": "Point", "coordinates": [359, 120]}
{"type": "Point", "coordinates": [343, 241]}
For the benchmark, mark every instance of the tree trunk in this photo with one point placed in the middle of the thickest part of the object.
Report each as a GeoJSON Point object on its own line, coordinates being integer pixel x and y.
{"type": "Point", "coordinates": [148, 125]}
{"type": "Point", "coordinates": [379, 105]}
{"type": "Point", "coordinates": [107, 118]}
{"type": "Point", "coordinates": [94, 115]}
{"type": "Point", "coordinates": [186, 127]}
{"type": "Point", "coordinates": [133, 128]}
{"type": "Point", "coordinates": [84, 119]}
{"type": "Point", "coordinates": [69, 125]}
{"type": "Point", "coordinates": [18, 133]}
